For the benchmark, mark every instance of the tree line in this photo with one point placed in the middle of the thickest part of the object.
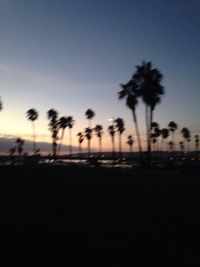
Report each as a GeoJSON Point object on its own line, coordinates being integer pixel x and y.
{"type": "Point", "coordinates": [145, 84]}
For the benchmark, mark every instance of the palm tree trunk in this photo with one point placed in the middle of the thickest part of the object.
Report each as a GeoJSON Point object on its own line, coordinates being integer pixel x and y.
{"type": "Point", "coordinates": [80, 150]}
{"type": "Point", "coordinates": [120, 146]}
{"type": "Point", "coordinates": [70, 143]}
{"type": "Point", "coordinates": [61, 139]}
{"type": "Point", "coordinates": [88, 148]}
{"type": "Point", "coordinates": [113, 147]}
{"type": "Point", "coordinates": [34, 137]}
{"type": "Point", "coordinates": [137, 134]}
{"type": "Point", "coordinates": [100, 146]}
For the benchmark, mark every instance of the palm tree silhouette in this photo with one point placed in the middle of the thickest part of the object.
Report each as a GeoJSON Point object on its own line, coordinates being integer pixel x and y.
{"type": "Point", "coordinates": [32, 115]}
{"type": "Point", "coordinates": [88, 135]}
{"type": "Point", "coordinates": [171, 146]}
{"type": "Point", "coordinates": [111, 130]}
{"type": "Point", "coordinates": [70, 124]}
{"type": "Point", "coordinates": [119, 124]}
{"type": "Point", "coordinates": [53, 127]}
{"type": "Point", "coordinates": [89, 115]}
{"type": "Point", "coordinates": [62, 124]}
{"type": "Point", "coordinates": [129, 91]}
{"type": "Point", "coordinates": [148, 82]}
{"type": "Point", "coordinates": [80, 140]}
{"type": "Point", "coordinates": [165, 135]}
{"type": "Point", "coordinates": [20, 143]}
{"type": "Point", "coordinates": [1, 104]}
{"type": "Point", "coordinates": [173, 127]}
{"type": "Point", "coordinates": [186, 136]}
{"type": "Point", "coordinates": [99, 131]}
{"type": "Point", "coordinates": [196, 140]}
{"type": "Point", "coordinates": [155, 133]}
{"type": "Point", "coordinates": [130, 142]}
{"type": "Point", "coordinates": [181, 143]}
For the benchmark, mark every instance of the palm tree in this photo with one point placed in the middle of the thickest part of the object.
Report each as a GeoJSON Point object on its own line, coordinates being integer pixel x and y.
{"type": "Point", "coordinates": [165, 135]}
{"type": "Point", "coordinates": [53, 127]}
{"type": "Point", "coordinates": [186, 136]}
{"type": "Point", "coordinates": [129, 91]}
{"type": "Point", "coordinates": [88, 135]}
{"type": "Point", "coordinates": [155, 133]}
{"type": "Point", "coordinates": [70, 124]}
{"type": "Point", "coordinates": [181, 143]}
{"type": "Point", "coordinates": [148, 82]}
{"type": "Point", "coordinates": [62, 124]}
{"type": "Point", "coordinates": [130, 142]}
{"type": "Point", "coordinates": [119, 124]}
{"type": "Point", "coordinates": [80, 140]}
{"type": "Point", "coordinates": [171, 146]}
{"type": "Point", "coordinates": [89, 115]}
{"type": "Point", "coordinates": [196, 142]}
{"type": "Point", "coordinates": [111, 130]}
{"type": "Point", "coordinates": [173, 127]}
{"type": "Point", "coordinates": [20, 143]}
{"type": "Point", "coordinates": [99, 131]}
{"type": "Point", "coordinates": [32, 115]}
{"type": "Point", "coordinates": [1, 105]}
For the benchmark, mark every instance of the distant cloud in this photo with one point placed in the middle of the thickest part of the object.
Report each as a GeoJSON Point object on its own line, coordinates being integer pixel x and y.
{"type": "Point", "coordinates": [4, 69]}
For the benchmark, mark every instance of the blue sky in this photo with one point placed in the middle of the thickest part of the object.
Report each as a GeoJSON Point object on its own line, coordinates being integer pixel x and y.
{"type": "Point", "coordinates": [72, 55]}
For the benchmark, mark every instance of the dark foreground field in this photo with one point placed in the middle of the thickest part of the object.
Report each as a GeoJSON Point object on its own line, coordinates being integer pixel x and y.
{"type": "Point", "coordinates": [58, 216]}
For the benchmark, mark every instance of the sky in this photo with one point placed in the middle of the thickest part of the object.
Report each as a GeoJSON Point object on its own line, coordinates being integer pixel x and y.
{"type": "Point", "coordinates": [72, 55]}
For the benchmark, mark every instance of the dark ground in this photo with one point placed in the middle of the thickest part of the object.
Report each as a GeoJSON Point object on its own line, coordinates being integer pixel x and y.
{"type": "Point", "coordinates": [58, 216]}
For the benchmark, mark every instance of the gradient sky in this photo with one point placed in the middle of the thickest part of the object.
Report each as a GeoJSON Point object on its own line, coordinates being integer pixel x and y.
{"type": "Point", "coordinates": [72, 55]}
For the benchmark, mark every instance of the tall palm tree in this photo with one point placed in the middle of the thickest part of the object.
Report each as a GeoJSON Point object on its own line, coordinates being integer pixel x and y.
{"type": "Point", "coordinates": [165, 135]}
{"type": "Point", "coordinates": [53, 127]}
{"type": "Point", "coordinates": [62, 124]}
{"type": "Point", "coordinates": [99, 131]}
{"type": "Point", "coordinates": [111, 130]}
{"type": "Point", "coordinates": [196, 140]}
{"type": "Point", "coordinates": [119, 124]}
{"type": "Point", "coordinates": [186, 136]}
{"type": "Point", "coordinates": [130, 142]}
{"type": "Point", "coordinates": [129, 91]}
{"type": "Point", "coordinates": [148, 82]}
{"type": "Point", "coordinates": [70, 124]}
{"type": "Point", "coordinates": [89, 115]}
{"type": "Point", "coordinates": [88, 135]}
{"type": "Point", "coordinates": [32, 115]}
{"type": "Point", "coordinates": [173, 127]}
{"type": "Point", "coordinates": [80, 141]}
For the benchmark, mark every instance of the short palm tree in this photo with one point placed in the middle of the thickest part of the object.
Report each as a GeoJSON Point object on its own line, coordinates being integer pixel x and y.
{"type": "Point", "coordinates": [196, 140]}
{"type": "Point", "coordinates": [171, 146]}
{"type": "Point", "coordinates": [53, 127]}
{"type": "Point", "coordinates": [129, 92]}
{"type": "Point", "coordinates": [119, 124]}
{"type": "Point", "coordinates": [165, 135]}
{"type": "Point", "coordinates": [186, 136]}
{"type": "Point", "coordinates": [1, 105]}
{"type": "Point", "coordinates": [80, 141]}
{"type": "Point", "coordinates": [89, 115]}
{"type": "Point", "coordinates": [20, 146]}
{"type": "Point", "coordinates": [70, 124]}
{"type": "Point", "coordinates": [173, 127]}
{"type": "Point", "coordinates": [130, 142]}
{"type": "Point", "coordinates": [99, 132]}
{"type": "Point", "coordinates": [181, 144]}
{"type": "Point", "coordinates": [111, 130]}
{"type": "Point", "coordinates": [88, 136]}
{"type": "Point", "coordinates": [155, 133]}
{"type": "Point", "coordinates": [62, 124]}
{"type": "Point", "coordinates": [32, 115]}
